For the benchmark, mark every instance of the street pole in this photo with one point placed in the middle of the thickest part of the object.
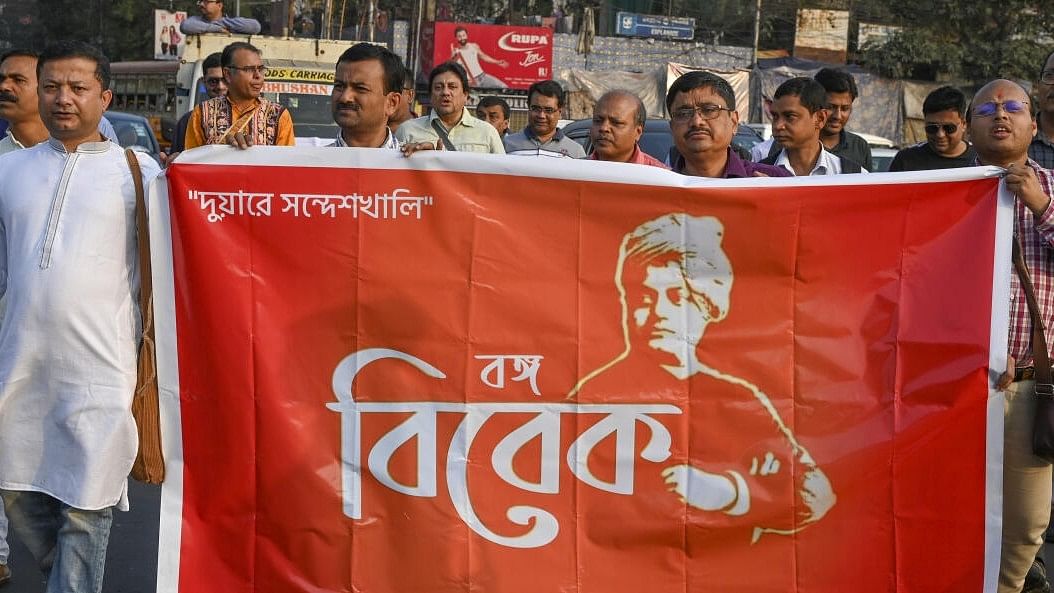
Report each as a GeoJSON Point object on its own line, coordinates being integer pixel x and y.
{"type": "Point", "coordinates": [757, 32]}
{"type": "Point", "coordinates": [373, 18]}
{"type": "Point", "coordinates": [327, 20]}
{"type": "Point", "coordinates": [238, 8]}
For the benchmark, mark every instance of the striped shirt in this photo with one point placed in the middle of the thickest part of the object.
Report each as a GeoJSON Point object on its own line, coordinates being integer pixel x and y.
{"type": "Point", "coordinates": [1037, 242]}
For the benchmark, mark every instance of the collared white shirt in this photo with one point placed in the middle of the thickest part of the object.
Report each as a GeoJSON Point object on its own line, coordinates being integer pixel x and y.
{"type": "Point", "coordinates": [10, 144]}
{"type": "Point", "coordinates": [390, 142]}
{"type": "Point", "coordinates": [69, 339]}
{"type": "Point", "coordinates": [470, 134]}
{"type": "Point", "coordinates": [827, 164]}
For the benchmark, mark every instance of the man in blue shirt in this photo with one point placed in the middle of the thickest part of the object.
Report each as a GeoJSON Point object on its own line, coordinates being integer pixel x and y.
{"type": "Point", "coordinates": [212, 20]}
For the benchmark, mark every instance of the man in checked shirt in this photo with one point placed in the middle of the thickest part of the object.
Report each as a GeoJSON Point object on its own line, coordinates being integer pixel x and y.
{"type": "Point", "coordinates": [1001, 127]}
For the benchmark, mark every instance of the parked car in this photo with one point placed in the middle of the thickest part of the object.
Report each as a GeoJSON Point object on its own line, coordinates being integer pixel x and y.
{"type": "Point", "coordinates": [881, 158]}
{"type": "Point", "coordinates": [134, 131]}
{"type": "Point", "coordinates": [656, 139]}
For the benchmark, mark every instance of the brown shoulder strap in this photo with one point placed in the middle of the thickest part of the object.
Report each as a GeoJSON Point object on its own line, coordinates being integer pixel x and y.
{"type": "Point", "coordinates": [142, 233]}
{"type": "Point", "coordinates": [1040, 356]}
{"type": "Point", "coordinates": [239, 125]}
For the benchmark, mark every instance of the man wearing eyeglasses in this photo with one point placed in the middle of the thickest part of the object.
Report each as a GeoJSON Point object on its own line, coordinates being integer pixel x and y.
{"type": "Point", "coordinates": [1001, 128]}
{"type": "Point", "coordinates": [703, 121]}
{"type": "Point", "coordinates": [212, 20]}
{"type": "Point", "coordinates": [1042, 148]}
{"type": "Point", "coordinates": [541, 136]}
{"type": "Point", "coordinates": [945, 147]}
{"type": "Point", "coordinates": [215, 86]}
{"type": "Point", "coordinates": [242, 118]}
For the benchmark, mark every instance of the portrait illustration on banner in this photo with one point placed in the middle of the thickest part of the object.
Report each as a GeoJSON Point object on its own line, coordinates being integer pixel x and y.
{"type": "Point", "coordinates": [744, 475]}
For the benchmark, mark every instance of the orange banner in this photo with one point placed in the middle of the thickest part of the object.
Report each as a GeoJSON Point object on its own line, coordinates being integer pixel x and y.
{"type": "Point", "coordinates": [457, 372]}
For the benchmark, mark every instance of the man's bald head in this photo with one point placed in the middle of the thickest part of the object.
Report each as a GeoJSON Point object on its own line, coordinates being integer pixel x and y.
{"type": "Point", "coordinates": [620, 95]}
{"type": "Point", "coordinates": [618, 122]}
{"type": "Point", "coordinates": [1000, 123]}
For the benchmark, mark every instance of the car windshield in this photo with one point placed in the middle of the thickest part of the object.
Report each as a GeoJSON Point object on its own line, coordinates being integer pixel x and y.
{"type": "Point", "coordinates": [133, 133]}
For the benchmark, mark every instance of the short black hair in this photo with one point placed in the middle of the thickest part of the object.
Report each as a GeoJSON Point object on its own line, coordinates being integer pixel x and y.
{"type": "Point", "coordinates": [698, 79]}
{"type": "Point", "coordinates": [944, 99]}
{"type": "Point", "coordinates": [65, 50]}
{"type": "Point", "coordinates": [547, 88]}
{"type": "Point", "coordinates": [810, 93]}
{"type": "Point", "coordinates": [460, 28]}
{"type": "Point", "coordinates": [227, 58]}
{"type": "Point", "coordinates": [19, 52]}
{"type": "Point", "coordinates": [642, 112]}
{"type": "Point", "coordinates": [448, 67]}
{"type": "Point", "coordinates": [836, 80]}
{"type": "Point", "coordinates": [391, 63]}
{"type": "Point", "coordinates": [215, 60]}
{"type": "Point", "coordinates": [495, 101]}
{"type": "Point", "coordinates": [1044, 64]}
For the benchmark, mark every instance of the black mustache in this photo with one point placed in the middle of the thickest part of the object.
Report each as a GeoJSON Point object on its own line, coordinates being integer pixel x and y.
{"type": "Point", "coordinates": [8, 97]}
{"type": "Point", "coordinates": [354, 106]}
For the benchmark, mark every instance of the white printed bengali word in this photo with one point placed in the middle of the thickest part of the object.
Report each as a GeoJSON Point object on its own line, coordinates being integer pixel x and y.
{"type": "Point", "coordinates": [527, 365]}
{"type": "Point", "coordinates": [218, 205]}
{"type": "Point", "coordinates": [620, 420]}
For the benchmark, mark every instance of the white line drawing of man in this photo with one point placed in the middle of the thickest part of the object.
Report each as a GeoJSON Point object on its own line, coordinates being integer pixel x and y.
{"type": "Point", "coordinates": [746, 468]}
{"type": "Point", "coordinates": [468, 54]}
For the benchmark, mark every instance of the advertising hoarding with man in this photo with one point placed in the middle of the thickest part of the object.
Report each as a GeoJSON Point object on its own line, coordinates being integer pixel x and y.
{"type": "Point", "coordinates": [495, 56]}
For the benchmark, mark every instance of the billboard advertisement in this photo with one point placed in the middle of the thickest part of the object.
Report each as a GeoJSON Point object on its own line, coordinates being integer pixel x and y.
{"type": "Point", "coordinates": [495, 56]}
{"type": "Point", "coordinates": [168, 41]}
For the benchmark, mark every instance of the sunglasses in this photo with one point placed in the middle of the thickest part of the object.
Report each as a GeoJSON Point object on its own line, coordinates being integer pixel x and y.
{"type": "Point", "coordinates": [949, 129]}
{"type": "Point", "coordinates": [990, 108]}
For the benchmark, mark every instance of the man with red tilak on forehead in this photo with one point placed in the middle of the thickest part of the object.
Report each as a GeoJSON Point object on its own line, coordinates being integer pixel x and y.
{"type": "Point", "coordinates": [1001, 127]}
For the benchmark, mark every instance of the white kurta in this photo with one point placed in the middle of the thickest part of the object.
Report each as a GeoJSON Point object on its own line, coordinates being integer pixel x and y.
{"type": "Point", "coordinates": [69, 336]}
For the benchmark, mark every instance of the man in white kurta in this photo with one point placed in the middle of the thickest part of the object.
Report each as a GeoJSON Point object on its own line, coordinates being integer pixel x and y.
{"type": "Point", "coordinates": [70, 332]}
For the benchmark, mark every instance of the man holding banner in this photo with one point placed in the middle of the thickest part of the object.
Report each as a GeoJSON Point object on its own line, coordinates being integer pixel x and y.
{"type": "Point", "coordinates": [450, 126]}
{"type": "Point", "coordinates": [1001, 127]}
{"type": "Point", "coordinates": [366, 93]}
{"type": "Point", "coordinates": [242, 118]}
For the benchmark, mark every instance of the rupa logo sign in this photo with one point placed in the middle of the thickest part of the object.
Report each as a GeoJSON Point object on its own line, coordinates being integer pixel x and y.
{"type": "Point", "coordinates": [496, 56]}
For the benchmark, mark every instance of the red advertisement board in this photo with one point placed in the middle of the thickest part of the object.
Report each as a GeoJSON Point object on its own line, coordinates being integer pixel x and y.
{"type": "Point", "coordinates": [495, 56]}
{"type": "Point", "coordinates": [461, 372]}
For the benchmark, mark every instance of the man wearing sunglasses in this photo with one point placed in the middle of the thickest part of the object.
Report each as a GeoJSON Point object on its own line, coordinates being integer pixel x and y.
{"type": "Point", "coordinates": [215, 86]}
{"type": "Point", "coordinates": [212, 20]}
{"type": "Point", "coordinates": [541, 136]}
{"type": "Point", "coordinates": [945, 147]}
{"type": "Point", "coordinates": [242, 118]}
{"type": "Point", "coordinates": [1001, 128]}
{"type": "Point", "coordinates": [1042, 148]}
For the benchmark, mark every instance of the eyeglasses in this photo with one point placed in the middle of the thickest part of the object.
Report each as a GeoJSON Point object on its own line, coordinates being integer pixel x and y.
{"type": "Point", "coordinates": [949, 129]}
{"type": "Point", "coordinates": [261, 70]}
{"type": "Point", "coordinates": [536, 109]}
{"type": "Point", "coordinates": [990, 108]}
{"type": "Point", "coordinates": [213, 81]}
{"type": "Point", "coordinates": [707, 112]}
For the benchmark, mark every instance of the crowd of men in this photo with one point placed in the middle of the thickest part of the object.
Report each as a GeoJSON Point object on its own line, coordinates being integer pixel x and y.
{"type": "Point", "coordinates": [69, 272]}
